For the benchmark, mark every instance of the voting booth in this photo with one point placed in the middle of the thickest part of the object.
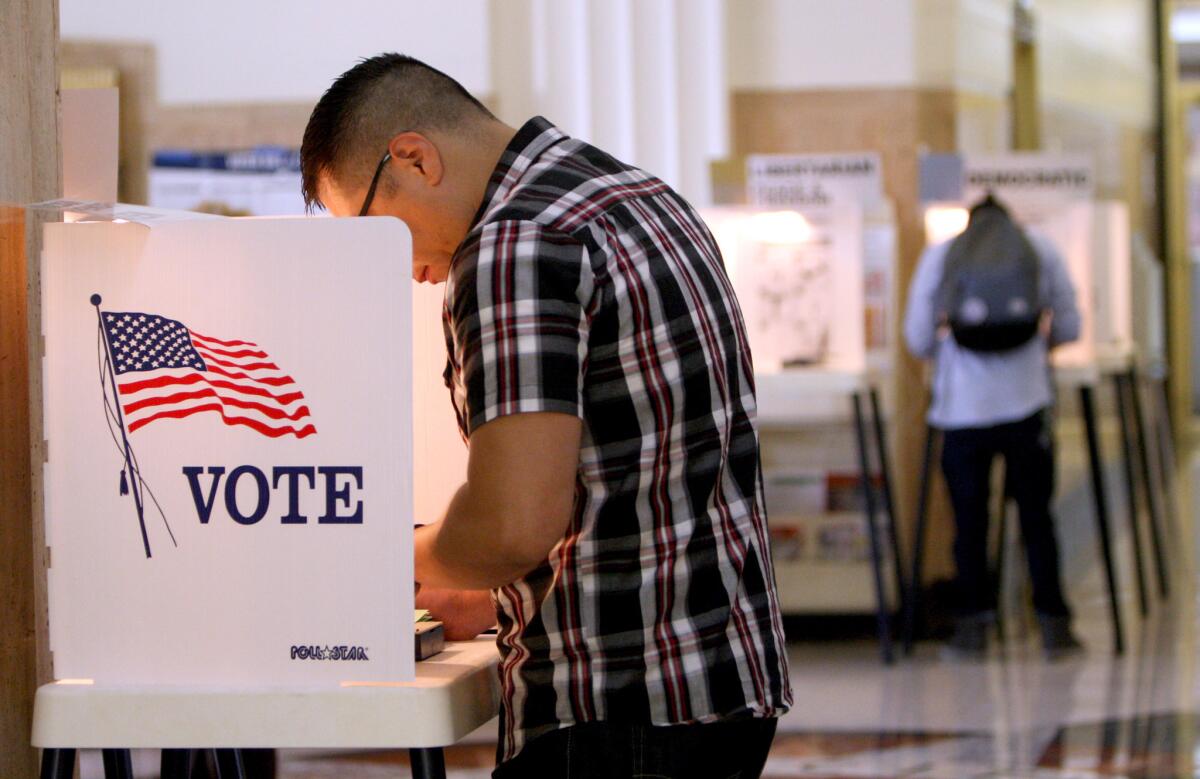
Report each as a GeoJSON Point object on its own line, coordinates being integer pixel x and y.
{"type": "Point", "coordinates": [1053, 196]}
{"type": "Point", "coordinates": [235, 410]}
{"type": "Point", "coordinates": [811, 258]}
{"type": "Point", "coordinates": [229, 486]}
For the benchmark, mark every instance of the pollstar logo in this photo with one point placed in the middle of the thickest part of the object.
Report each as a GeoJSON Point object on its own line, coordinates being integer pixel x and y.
{"type": "Point", "coordinates": [317, 652]}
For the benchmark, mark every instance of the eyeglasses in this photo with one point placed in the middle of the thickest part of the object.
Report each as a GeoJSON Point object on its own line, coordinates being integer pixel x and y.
{"type": "Point", "coordinates": [374, 183]}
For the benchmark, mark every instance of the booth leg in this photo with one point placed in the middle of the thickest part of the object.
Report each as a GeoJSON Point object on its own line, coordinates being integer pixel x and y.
{"type": "Point", "coordinates": [1087, 403]}
{"type": "Point", "coordinates": [58, 763]}
{"type": "Point", "coordinates": [428, 763]}
{"type": "Point", "coordinates": [918, 548]}
{"type": "Point", "coordinates": [118, 764]}
{"type": "Point", "coordinates": [1127, 454]}
{"type": "Point", "coordinates": [881, 604]}
{"type": "Point", "coordinates": [229, 764]}
{"type": "Point", "coordinates": [889, 503]}
{"type": "Point", "coordinates": [1156, 537]}
{"type": "Point", "coordinates": [1166, 449]}
{"type": "Point", "coordinates": [998, 570]}
{"type": "Point", "coordinates": [176, 764]}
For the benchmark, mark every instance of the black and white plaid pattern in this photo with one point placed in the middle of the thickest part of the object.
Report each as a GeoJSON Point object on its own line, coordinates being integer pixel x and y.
{"type": "Point", "coordinates": [590, 288]}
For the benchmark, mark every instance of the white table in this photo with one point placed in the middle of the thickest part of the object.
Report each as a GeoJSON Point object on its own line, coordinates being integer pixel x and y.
{"type": "Point", "coordinates": [454, 693]}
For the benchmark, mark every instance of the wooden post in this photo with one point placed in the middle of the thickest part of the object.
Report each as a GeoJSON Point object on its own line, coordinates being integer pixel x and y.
{"type": "Point", "coordinates": [29, 171]}
{"type": "Point", "coordinates": [1026, 106]}
{"type": "Point", "coordinates": [1172, 203]}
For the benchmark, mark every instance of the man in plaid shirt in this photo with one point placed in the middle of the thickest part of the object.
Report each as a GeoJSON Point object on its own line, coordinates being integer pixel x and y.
{"type": "Point", "coordinates": [599, 367]}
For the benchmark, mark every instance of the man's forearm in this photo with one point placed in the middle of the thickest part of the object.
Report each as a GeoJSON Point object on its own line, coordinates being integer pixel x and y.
{"type": "Point", "coordinates": [468, 549]}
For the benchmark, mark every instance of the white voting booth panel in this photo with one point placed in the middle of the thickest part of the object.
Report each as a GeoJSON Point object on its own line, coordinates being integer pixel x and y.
{"type": "Point", "coordinates": [275, 439]}
{"type": "Point", "coordinates": [1094, 241]}
{"type": "Point", "coordinates": [440, 454]}
{"type": "Point", "coordinates": [798, 276]}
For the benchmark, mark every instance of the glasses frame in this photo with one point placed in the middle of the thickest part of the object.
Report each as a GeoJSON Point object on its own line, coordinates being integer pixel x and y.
{"type": "Point", "coordinates": [366, 206]}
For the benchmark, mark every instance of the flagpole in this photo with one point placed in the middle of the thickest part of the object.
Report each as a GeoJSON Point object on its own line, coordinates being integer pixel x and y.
{"type": "Point", "coordinates": [133, 474]}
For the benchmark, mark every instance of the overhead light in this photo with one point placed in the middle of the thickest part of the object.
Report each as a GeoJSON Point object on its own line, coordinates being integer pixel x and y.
{"type": "Point", "coordinates": [945, 222]}
{"type": "Point", "coordinates": [780, 227]}
{"type": "Point", "coordinates": [1185, 25]}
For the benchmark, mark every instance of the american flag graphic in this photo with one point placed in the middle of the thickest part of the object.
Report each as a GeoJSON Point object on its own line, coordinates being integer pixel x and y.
{"type": "Point", "coordinates": [164, 370]}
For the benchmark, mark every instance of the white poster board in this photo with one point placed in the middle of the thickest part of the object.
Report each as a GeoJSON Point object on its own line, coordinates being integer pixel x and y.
{"type": "Point", "coordinates": [799, 280]}
{"type": "Point", "coordinates": [90, 129]}
{"type": "Point", "coordinates": [1071, 227]}
{"type": "Point", "coordinates": [275, 439]}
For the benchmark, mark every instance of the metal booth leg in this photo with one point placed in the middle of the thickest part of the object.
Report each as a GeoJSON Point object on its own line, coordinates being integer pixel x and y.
{"type": "Point", "coordinates": [1166, 448]}
{"type": "Point", "coordinates": [918, 548]}
{"type": "Point", "coordinates": [428, 763]}
{"type": "Point", "coordinates": [881, 604]}
{"type": "Point", "coordinates": [1156, 538]}
{"type": "Point", "coordinates": [118, 764]}
{"type": "Point", "coordinates": [997, 573]}
{"type": "Point", "coordinates": [229, 764]}
{"type": "Point", "coordinates": [1131, 492]}
{"type": "Point", "coordinates": [1087, 403]}
{"type": "Point", "coordinates": [58, 763]}
{"type": "Point", "coordinates": [176, 764]}
{"type": "Point", "coordinates": [889, 504]}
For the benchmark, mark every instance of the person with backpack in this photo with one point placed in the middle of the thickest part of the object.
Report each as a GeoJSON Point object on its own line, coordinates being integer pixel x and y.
{"type": "Point", "coordinates": [987, 307]}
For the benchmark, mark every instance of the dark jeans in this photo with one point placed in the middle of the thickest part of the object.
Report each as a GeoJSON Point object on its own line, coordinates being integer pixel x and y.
{"type": "Point", "coordinates": [732, 749]}
{"type": "Point", "coordinates": [1028, 451]}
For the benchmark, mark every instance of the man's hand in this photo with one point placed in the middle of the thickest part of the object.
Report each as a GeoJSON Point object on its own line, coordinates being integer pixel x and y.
{"type": "Point", "coordinates": [516, 504]}
{"type": "Point", "coordinates": [464, 614]}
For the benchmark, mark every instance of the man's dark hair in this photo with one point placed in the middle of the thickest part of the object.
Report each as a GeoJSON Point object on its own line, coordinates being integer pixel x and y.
{"type": "Point", "coordinates": [366, 106]}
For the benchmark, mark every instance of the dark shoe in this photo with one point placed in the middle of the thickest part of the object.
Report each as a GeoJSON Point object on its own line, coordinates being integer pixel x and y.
{"type": "Point", "coordinates": [969, 641]}
{"type": "Point", "coordinates": [1058, 642]}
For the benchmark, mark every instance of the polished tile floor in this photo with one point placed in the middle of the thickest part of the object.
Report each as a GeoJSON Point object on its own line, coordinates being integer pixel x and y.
{"type": "Point", "coordinates": [1011, 715]}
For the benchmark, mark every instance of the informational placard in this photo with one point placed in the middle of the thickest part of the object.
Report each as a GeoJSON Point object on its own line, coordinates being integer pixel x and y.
{"type": "Point", "coordinates": [799, 279]}
{"type": "Point", "coordinates": [229, 481]}
{"type": "Point", "coordinates": [1030, 182]}
{"type": "Point", "coordinates": [805, 180]}
{"type": "Point", "coordinates": [261, 181]}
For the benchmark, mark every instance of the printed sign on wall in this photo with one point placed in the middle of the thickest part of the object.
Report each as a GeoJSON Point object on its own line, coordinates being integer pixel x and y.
{"type": "Point", "coordinates": [229, 483]}
{"type": "Point", "coordinates": [798, 180]}
{"type": "Point", "coordinates": [1030, 182]}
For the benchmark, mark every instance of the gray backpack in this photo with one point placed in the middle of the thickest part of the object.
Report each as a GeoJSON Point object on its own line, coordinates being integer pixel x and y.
{"type": "Point", "coordinates": [989, 290]}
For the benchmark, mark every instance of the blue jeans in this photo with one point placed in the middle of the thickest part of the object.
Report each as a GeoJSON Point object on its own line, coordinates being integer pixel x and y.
{"type": "Point", "coordinates": [730, 749]}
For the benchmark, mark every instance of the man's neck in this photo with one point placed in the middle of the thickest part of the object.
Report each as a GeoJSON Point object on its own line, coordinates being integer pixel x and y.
{"type": "Point", "coordinates": [483, 157]}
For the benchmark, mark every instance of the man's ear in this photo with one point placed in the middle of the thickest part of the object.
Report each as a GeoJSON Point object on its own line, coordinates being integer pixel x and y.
{"type": "Point", "coordinates": [418, 155]}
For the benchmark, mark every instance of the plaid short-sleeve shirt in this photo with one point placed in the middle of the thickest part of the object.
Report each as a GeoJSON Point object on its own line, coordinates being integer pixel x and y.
{"type": "Point", "coordinates": [589, 287]}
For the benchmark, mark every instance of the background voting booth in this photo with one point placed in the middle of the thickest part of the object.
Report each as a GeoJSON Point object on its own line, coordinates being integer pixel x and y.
{"type": "Point", "coordinates": [230, 491]}
{"type": "Point", "coordinates": [811, 264]}
{"type": "Point", "coordinates": [1053, 197]}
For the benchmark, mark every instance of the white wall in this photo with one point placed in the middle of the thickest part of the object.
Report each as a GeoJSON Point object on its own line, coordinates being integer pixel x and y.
{"type": "Point", "coordinates": [820, 44]}
{"type": "Point", "coordinates": [1098, 55]}
{"type": "Point", "coordinates": [220, 51]}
